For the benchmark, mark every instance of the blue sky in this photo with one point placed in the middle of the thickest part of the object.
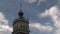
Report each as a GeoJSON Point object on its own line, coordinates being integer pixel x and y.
{"type": "Point", "coordinates": [44, 15]}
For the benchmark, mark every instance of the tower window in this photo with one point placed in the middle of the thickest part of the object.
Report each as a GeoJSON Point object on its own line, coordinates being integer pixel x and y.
{"type": "Point", "coordinates": [23, 27]}
{"type": "Point", "coordinates": [26, 28]}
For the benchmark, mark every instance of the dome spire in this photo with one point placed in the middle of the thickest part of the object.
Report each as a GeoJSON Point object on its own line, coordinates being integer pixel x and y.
{"type": "Point", "coordinates": [20, 12]}
{"type": "Point", "coordinates": [21, 4]}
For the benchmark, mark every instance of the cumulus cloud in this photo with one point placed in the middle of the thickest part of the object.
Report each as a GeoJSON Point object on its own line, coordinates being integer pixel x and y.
{"type": "Point", "coordinates": [41, 27]}
{"type": "Point", "coordinates": [38, 28]}
{"type": "Point", "coordinates": [54, 13]}
{"type": "Point", "coordinates": [51, 11]}
{"type": "Point", "coordinates": [4, 27]}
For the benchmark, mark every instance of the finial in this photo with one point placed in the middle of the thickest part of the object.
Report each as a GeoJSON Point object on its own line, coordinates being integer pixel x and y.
{"type": "Point", "coordinates": [20, 12]}
{"type": "Point", "coordinates": [21, 4]}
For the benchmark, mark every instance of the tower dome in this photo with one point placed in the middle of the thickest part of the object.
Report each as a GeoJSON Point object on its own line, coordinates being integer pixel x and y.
{"type": "Point", "coordinates": [20, 13]}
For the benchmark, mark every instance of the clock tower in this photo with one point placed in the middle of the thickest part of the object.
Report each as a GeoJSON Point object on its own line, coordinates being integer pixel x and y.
{"type": "Point", "coordinates": [20, 24]}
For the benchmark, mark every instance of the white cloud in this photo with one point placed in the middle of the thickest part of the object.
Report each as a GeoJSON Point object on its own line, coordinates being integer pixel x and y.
{"type": "Point", "coordinates": [4, 27]}
{"type": "Point", "coordinates": [30, 1]}
{"type": "Point", "coordinates": [41, 27]}
{"type": "Point", "coordinates": [54, 13]}
{"type": "Point", "coordinates": [50, 12]}
{"type": "Point", "coordinates": [40, 2]}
